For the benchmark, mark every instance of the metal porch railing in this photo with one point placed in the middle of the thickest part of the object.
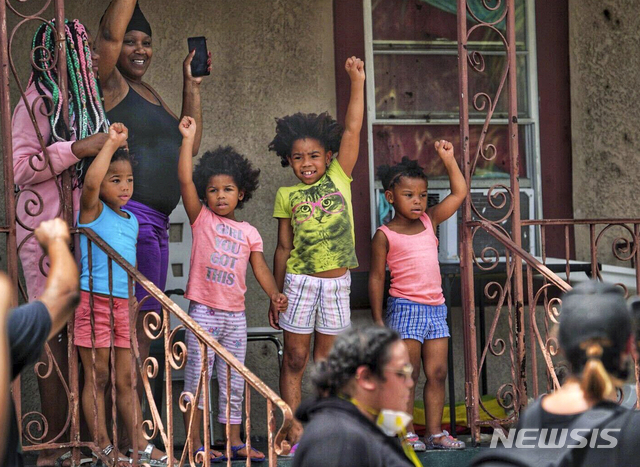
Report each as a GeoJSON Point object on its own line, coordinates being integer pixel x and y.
{"type": "Point", "coordinates": [525, 298]}
{"type": "Point", "coordinates": [158, 327]}
{"type": "Point", "coordinates": [37, 432]}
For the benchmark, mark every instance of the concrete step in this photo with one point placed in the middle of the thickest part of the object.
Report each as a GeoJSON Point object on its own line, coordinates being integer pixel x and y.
{"type": "Point", "coordinates": [429, 458]}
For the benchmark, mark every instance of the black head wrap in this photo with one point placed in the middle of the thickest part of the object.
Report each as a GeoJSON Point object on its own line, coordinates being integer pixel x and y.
{"type": "Point", "coordinates": [139, 22]}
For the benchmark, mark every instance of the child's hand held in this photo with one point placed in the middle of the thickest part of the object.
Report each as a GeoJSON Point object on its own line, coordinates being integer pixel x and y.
{"type": "Point", "coordinates": [279, 302]}
{"type": "Point", "coordinates": [283, 303]}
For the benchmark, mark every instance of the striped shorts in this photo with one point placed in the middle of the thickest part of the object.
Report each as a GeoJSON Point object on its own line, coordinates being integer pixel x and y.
{"type": "Point", "coordinates": [317, 303]}
{"type": "Point", "coordinates": [230, 329]}
{"type": "Point", "coordinates": [415, 320]}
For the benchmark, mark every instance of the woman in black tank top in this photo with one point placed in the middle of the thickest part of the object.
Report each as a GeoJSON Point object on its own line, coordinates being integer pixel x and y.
{"type": "Point", "coordinates": [124, 40]}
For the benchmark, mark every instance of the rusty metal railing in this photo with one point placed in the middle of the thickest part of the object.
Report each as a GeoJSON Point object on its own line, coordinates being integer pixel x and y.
{"type": "Point", "coordinates": [546, 278]}
{"type": "Point", "coordinates": [157, 327]}
{"type": "Point", "coordinates": [512, 295]}
{"type": "Point", "coordinates": [60, 363]}
{"type": "Point", "coordinates": [523, 290]}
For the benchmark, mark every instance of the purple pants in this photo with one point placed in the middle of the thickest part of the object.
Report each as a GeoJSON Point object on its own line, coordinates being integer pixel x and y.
{"type": "Point", "coordinates": [152, 249]}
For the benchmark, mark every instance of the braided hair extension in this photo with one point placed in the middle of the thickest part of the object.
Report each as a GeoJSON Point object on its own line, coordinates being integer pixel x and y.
{"type": "Point", "coordinates": [389, 176]}
{"type": "Point", "coordinates": [86, 111]}
{"type": "Point", "coordinates": [369, 346]}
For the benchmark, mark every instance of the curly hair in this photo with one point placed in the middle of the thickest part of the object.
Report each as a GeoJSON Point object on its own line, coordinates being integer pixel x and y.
{"type": "Point", "coordinates": [122, 154]}
{"type": "Point", "coordinates": [226, 161]}
{"type": "Point", "coordinates": [291, 128]}
{"type": "Point", "coordinates": [369, 346]}
{"type": "Point", "coordinates": [390, 175]}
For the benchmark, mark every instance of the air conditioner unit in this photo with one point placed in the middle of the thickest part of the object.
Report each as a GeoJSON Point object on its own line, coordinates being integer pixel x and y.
{"type": "Point", "coordinates": [447, 232]}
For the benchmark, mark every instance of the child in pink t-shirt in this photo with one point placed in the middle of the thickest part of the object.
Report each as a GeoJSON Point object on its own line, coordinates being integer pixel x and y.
{"type": "Point", "coordinates": [222, 247]}
{"type": "Point", "coordinates": [416, 308]}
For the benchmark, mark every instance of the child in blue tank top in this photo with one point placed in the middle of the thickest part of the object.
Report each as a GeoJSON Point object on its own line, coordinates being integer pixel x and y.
{"type": "Point", "coordinates": [108, 185]}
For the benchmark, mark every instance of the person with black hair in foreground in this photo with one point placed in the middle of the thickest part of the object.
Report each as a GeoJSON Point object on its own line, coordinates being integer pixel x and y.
{"type": "Point", "coordinates": [31, 325]}
{"type": "Point", "coordinates": [581, 423]}
{"type": "Point", "coordinates": [363, 388]}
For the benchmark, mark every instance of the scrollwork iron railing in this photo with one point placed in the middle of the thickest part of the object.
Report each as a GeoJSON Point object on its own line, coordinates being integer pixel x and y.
{"type": "Point", "coordinates": [158, 327]}
{"type": "Point", "coordinates": [61, 362]}
{"type": "Point", "coordinates": [528, 315]}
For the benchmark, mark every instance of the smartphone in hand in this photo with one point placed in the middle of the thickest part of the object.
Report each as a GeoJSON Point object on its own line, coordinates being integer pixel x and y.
{"type": "Point", "coordinates": [199, 63]}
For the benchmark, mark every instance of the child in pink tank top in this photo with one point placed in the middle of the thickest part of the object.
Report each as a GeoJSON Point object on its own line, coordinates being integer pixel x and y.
{"type": "Point", "coordinates": [416, 308]}
{"type": "Point", "coordinates": [222, 248]}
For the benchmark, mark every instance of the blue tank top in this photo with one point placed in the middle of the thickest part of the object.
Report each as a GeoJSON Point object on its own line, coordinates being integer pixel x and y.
{"type": "Point", "coordinates": [154, 142]}
{"type": "Point", "coordinates": [122, 235]}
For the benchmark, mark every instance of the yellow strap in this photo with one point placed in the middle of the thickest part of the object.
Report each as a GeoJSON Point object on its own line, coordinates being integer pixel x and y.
{"type": "Point", "coordinates": [362, 406]}
{"type": "Point", "coordinates": [408, 450]}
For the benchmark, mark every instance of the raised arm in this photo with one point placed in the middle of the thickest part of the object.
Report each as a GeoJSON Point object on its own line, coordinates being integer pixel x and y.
{"type": "Point", "coordinates": [191, 100]}
{"type": "Point", "coordinates": [448, 206]}
{"type": "Point", "coordinates": [110, 36]}
{"type": "Point", "coordinates": [350, 144]}
{"type": "Point", "coordinates": [377, 272]}
{"type": "Point", "coordinates": [61, 294]}
{"type": "Point", "coordinates": [190, 199]}
{"type": "Point", "coordinates": [90, 207]}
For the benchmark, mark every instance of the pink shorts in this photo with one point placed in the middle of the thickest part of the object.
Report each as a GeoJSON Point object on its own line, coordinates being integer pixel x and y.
{"type": "Point", "coordinates": [102, 321]}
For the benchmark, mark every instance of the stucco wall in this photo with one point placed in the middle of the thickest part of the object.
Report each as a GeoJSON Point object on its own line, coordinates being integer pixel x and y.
{"type": "Point", "coordinates": [269, 59]}
{"type": "Point", "coordinates": [604, 44]}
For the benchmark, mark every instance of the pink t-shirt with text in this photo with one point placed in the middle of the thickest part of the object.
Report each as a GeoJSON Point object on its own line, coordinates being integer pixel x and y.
{"type": "Point", "coordinates": [219, 257]}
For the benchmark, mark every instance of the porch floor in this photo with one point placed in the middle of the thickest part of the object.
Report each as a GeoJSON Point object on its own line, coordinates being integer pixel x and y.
{"type": "Point", "coordinates": [429, 458]}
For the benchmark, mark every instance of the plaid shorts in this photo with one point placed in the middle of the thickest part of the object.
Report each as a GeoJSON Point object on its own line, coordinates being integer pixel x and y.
{"type": "Point", "coordinates": [316, 303]}
{"type": "Point", "coordinates": [417, 321]}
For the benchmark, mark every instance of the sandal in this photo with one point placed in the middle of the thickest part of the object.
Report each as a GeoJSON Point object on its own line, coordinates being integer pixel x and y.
{"type": "Point", "coordinates": [448, 442]}
{"type": "Point", "coordinates": [145, 458]}
{"type": "Point", "coordinates": [67, 457]}
{"type": "Point", "coordinates": [212, 457]}
{"type": "Point", "coordinates": [239, 457]}
{"type": "Point", "coordinates": [107, 452]}
{"type": "Point", "coordinates": [415, 442]}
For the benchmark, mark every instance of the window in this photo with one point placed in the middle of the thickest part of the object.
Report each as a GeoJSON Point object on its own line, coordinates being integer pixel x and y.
{"type": "Point", "coordinates": [412, 89]}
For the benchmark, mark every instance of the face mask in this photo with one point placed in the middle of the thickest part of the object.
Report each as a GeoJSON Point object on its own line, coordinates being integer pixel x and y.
{"type": "Point", "coordinates": [392, 422]}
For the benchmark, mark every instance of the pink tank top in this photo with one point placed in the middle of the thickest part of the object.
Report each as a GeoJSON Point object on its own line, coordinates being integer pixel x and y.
{"type": "Point", "coordinates": [413, 263]}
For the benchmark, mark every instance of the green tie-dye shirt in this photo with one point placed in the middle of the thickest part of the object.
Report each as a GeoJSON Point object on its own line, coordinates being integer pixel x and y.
{"type": "Point", "coordinates": [322, 220]}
